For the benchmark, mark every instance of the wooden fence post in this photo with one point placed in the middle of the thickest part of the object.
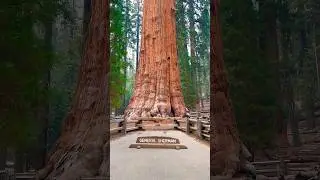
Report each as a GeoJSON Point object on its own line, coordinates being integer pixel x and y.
{"type": "Point", "coordinates": [10, 161]}
{"type": "Point", "coordinates": [4, 175]}
{"type": "Point", "coordinates": [283, 166]}
{"type": "Point", "coordinates": [124, 126]}
{"type": "Point", "coordinates": [199, 127]}
{"type": "Point", "coordinates": [278, 170]}
{"type": "Point", "coordinates": [188, 126]}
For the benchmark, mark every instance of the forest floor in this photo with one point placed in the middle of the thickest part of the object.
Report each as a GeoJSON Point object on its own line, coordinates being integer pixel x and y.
{"type": "Point", "coordinates": [157, 164]}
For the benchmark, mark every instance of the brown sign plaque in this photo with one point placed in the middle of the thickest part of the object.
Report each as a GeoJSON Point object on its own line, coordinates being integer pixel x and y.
{"type": "Point", "coordinates": [157, 140]}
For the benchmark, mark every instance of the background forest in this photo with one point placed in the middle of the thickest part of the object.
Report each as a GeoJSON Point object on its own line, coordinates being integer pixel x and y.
{"type": "Point", "coordinates": [270, 52]}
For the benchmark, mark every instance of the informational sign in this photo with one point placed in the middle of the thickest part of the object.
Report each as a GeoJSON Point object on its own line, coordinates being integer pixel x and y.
{"type": "Point", "coordinates": [157, 140]}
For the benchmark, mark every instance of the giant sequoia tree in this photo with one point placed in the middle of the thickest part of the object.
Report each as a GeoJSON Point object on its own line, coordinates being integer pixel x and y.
{"type": "Point", "coordinates": [82, 149]}
{"type": "Point", "coordinates": [157, 90]}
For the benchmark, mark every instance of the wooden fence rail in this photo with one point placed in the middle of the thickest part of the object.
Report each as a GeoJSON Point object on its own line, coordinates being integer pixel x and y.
{"type": "Point", "coordinates": [267, 168]}
{"type": "Point", "coordinates": [285, 167]}
{"type": "Point", "coordinates": [197, 124]}
{"type": "Point", "coordinates": [5, 175]}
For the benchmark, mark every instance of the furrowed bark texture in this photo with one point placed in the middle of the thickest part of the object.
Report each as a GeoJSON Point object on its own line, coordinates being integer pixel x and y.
{"type": "Point", "coordinates": [83, 147]}
{"type": "Point", "coordinates": [225, 144]}
{"type": "Point", "coordinates": [157, 90]}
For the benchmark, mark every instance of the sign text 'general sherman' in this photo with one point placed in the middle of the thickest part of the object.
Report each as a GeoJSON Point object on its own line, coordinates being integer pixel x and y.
{"type": "Point", "coordinates": [157, 140]}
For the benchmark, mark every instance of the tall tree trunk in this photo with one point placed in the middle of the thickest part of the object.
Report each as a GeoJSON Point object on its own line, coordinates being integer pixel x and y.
{"type": "Point", "coordinates": [288, 89]}
{"type": "Point", "coordinates": [49, 47]}
{"type": "Point", "coordinates": [199, 82]}
{"type": "Point", "coordinates": [206, 89]}
{"type": "Point", "coordinates": [127, 26]}
{"type": "Point", "coordinates": [193, 33]}
{"type": "Point", "coordinates": [272, 46]}
{"type": "Point", "coordinates": [86, 20]}
{"type": "Point", "coordinates": [294, 122]}
{"type": "Point", "coordinates": [312, 89]}
{"type": "Point", "coordinates": [314, 45]}
{"type": "Point", "coordinates": [312, 120]}
{"type": "Point", "coordinates": [225, 141]}
{"type": "Point", "coordinates": [157, 90]}
{"type": "Point", "coordinates": [83, 147]}
{"type": "Point", "coordinates": [281, 121]}
{"type": "Point", "coordinates": [137, 35]}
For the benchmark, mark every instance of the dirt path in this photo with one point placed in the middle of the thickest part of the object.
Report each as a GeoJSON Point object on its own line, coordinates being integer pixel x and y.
{"type": "Point", "coordinates": [159, 164]}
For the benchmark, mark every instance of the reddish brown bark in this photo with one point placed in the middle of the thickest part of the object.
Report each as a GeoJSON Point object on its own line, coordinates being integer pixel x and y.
{"type": "Point", "coordinates": [83, 147]}
{"type": "Point", "coordinates": [225, 142]}
{"type": "Point", "coordinates": [157, 90]}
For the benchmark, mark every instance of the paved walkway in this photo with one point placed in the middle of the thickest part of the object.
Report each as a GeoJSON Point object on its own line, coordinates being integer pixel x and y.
{"type": "Point", "coordinates": [159, 164]}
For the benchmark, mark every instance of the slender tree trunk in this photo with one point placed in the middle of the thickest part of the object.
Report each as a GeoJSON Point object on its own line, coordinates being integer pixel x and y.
{"type": "Point", "coordinates": [49, 47]}
{"type": "Point", "coordinates": [83, 147]}
{"type": "Point", "coordinates": [126, 57]}
{"type": "Point", "coordinates": [281, 122]}
{"type": "Point", "coordinates": [314, 45]}
{"type": "Point", "coordinates": [294, 122]}
{"type": "Point", "coordinates": [272, 48]}
{"type": "Point", "coordinates": [200, 83]}
{"type": "Point", "coordinates": [86, 19]}
{"type": "Point", "coordinates": [225, 142]}
{"type": "Point", "coordinates": [289, 91]}
{"type": "Point", "coordinates": [157, 90]}
{"type": "Point", "coordinates": [193, 33]}
{"type": "Point", "coordinates": [137, 35]}
{"type": "Point", "coordinates": [205, 76]}
{"type": "Point", "coordinates": [312, 119]}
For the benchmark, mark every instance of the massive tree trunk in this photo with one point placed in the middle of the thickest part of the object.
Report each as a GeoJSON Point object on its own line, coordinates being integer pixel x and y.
{"type": "Point", "coordinates": [228, 155]}
{"type": "Point", "coordinates": [83, 147]}
{"type": "Point", "coordinates": [157, 90]}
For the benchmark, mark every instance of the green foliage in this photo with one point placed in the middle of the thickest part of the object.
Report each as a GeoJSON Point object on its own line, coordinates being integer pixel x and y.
{"type": "Point", "coordinates": [24, 63]}
{"type": "Point", "coordinates": [118, 52]}
{"type": "Point", "coordinates": [203, 46]}
{"type": "Point", "coordinates": [261, 80]}
{"type": "Point", "coordinates": [187, 84]}
{"type": "Point", "coordinates": [121, 38]}
{"type": "Point", "coordinates": [251, 80]}
{"type": "Point", "coordinates": [194, 72]}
